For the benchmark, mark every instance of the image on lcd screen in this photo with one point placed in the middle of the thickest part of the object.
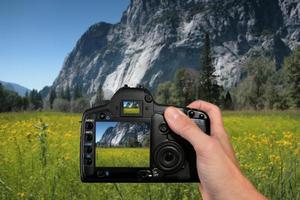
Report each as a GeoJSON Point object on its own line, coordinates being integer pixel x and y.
{"type": "Point", "coordinates": [131, 107]}
{"type": "Point", "coordinates": [122, 144]}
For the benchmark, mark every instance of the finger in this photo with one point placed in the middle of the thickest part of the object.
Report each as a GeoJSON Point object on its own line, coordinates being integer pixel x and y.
{"type": "Point", "coordinates": [217, 126]}
{"type": "Point", "coordinates": [213, 112]}
{"type": "Point", "coordinates": [186, 128]}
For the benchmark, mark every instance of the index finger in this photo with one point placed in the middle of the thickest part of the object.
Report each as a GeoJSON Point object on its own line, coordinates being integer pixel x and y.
{"type": "Point", "coordinates": [213, 112]}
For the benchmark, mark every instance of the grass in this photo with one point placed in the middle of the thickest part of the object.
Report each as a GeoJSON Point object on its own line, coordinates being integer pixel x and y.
{"type": "Point", "coordinates": [39, 158]}
{"type": "Point", "coordinates": [123, 157]}
{"type": "Point", "coordinates": [131, 110]}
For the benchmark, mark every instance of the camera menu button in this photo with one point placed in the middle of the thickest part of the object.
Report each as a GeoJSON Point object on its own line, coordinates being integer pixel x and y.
{"type": "Point", "coordinates": [163, 128]}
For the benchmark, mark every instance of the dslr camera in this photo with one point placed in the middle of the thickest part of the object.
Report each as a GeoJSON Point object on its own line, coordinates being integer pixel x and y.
{"type": "Point", "coordinates": [127, 139]}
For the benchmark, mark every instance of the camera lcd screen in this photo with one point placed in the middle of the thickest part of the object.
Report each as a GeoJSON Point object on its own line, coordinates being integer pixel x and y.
{"type": "Point", "coordinates": [122, 144]}
{"type": "Point", "coordinates": [131, 107]}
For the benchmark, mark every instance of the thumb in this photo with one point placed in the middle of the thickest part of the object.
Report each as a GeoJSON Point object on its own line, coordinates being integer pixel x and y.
{"type": "Point", "coordinates": [186, 128]}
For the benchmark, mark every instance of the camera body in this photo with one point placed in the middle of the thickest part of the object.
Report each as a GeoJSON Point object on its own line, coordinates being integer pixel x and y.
{"type": "Point", "coordinates": [128, 140]}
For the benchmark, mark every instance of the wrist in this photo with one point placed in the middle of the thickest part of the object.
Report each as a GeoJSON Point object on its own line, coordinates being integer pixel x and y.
{"type": "Point", "coordinates": [245, 190]}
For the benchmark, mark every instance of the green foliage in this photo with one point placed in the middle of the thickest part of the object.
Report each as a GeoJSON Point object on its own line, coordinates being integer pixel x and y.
{"type": "Point", "coordinates": [251, 92]}
{"type": "Point", "coordinates": [11, 101]}
{"type": "Point", "coordinates": [184, 83]}
{"type": "Point", "coordinates": [77, 92]}
{"type": "Point", "coordinates": [35, 99]}
{"type": "Point", "coordinates": [180, 91]}
{"type": "Point", "coordinates": [61, 105]}
{"type": "Point", "coordinates": [99, 96]}
{"type": "Point", "coordinates": [79, 105]}
{"type": "Point", "coordinates": [228, 103]}
{"type": "Point", "coordinates": [52, 97]}
{"type": "Point", "coordinates": [292, 75]}
{"type": "Point", "coordinates": [67, 94]}
{"type": "Point", "coordinates": [208, 90]}
{"type": "Point", "coordinates": [164, 93]}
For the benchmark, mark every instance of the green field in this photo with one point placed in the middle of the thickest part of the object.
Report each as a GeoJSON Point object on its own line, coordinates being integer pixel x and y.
{"type": "Point", "coordinates": [123, 157]}
{"type": "Point", "coordinates": [131, 110]}
{"type": "Point", "coordinates": [39, 158]}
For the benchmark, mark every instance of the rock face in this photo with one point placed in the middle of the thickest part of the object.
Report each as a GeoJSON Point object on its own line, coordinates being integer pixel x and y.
{"type": "Point", "coordinates": [156, 37]}
{"type": "Point", "coordinates": [126, 134]}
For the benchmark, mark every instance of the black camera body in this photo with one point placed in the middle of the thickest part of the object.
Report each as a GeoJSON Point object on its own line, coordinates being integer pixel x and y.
{"type": "Point", "coordinates": [128, 140]}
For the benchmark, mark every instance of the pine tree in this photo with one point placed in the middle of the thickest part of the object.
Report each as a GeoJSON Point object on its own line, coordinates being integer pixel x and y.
{"type": "Point", "coordinates": [77, 92]}
{"type": "Point", "coordinates": [208, 88]}
{"type": "Point", "coordinates": [52, 97]}
{"type": "Point", "coordinates": [99, 96]}
{"type": "Point", "coordinates": [35, 99]}
{"type": "Point", "coordinates": [292, 76]}
{"type": "Point", "coordinates": [228, 104]}
{"type": "Point", "coordinates": [67, 94]}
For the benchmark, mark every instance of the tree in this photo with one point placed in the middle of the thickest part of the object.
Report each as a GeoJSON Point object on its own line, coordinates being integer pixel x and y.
{"type": "Point", "coordinates": [79, 105]}
{"type": "Point", "coordinates": [165, 92]}
{"type": "Point", "coordinates": [99, 96]}
{"type": "Point", "coordinates": [2, 98]}
{"type": "Point", "coordinates": [35, 100]}
{"type": "Point", "coordinates": [184, 81]}
{"type": "Point", "coordinates": [208, 88]}
{"type": "Point", "coordinates": [77, 92]}
{"type": "Point", "coordinates": [292, 77]}
{"type": "Point", "coordinates": [251, 91]}
{"type": "Point", "coordinates": [52, 97]}
{"type": "Point", "coordinates": [228, 103]}
{"type": "Point", "coordinates": [62, 93]}
{"type": "Point", "coordinates": [67, 94]}
{"type": "Point", "coordinates": [275, 93]}
{"type": "Point", "coordinates": [61, 105]}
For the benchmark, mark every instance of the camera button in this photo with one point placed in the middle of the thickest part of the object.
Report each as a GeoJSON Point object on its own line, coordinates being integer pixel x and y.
{"type": "Point", "coordinates": [148, 98]}
{"type": "Point", "coordinates": [191, 113]}
{"type": "Point", "coordinates": [101, 173]}
{"type": "Point", "coordinates": [201, 116]}
{"type": "Point", "coordinates": [88, 161]}
{"type": "Point", "coordinates": [89, 137]}
{"type": "Point", "coordinates": [145, 174]}
{"type": "Point", "coordinates": [163, 128]}
{"type": "Point", "coordinates": [102, 115]}
{"type": "Point", "coordinates": [89, 125]}
{"type": "Point", "coordinates": [89, 149]}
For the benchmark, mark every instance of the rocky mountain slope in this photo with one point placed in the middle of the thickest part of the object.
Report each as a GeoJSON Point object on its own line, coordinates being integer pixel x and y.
{"type": "Point", "coordinates": [126, 134]}
{"type": "Point", "coordinates": [21, 90]}
{"type": "Point", "coordinates": [156, 37]}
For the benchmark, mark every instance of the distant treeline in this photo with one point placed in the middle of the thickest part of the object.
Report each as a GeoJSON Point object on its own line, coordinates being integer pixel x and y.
{"type": "Point", "coordinates": [264, 85]}
{"type": "Point", "coordinates": [11, 101]}
{"type": "Point", "coordinates": [64, 100]}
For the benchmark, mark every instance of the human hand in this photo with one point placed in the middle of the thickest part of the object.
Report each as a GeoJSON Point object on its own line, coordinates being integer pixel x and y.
{"type": "Point", "coordinates": [217, 166]}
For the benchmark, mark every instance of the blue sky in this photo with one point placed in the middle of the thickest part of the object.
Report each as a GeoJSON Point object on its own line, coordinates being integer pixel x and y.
{"type": "Point", "coordinates": [36, 35]}
{"type": "Point", "coordinates": [101, 128]}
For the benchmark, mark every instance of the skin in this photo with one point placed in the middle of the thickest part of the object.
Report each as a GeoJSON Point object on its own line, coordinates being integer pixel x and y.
{"type": "Point", "coordinates": [217, 166]}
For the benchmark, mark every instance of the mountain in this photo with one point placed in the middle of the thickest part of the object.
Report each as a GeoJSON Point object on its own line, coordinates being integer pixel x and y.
{"type": "Point", "coordinates": [126, 134]}
{"type": "Point", "coordinates": [21, 90]}
{"type": "Point", "coordinates": [156, 37]}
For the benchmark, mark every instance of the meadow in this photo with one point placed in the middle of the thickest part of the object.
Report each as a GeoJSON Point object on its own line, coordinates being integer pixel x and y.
{"type": "Point", "coordinates": [122, 157]}
{"type": "Point", "coordinates": [39, 158]}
